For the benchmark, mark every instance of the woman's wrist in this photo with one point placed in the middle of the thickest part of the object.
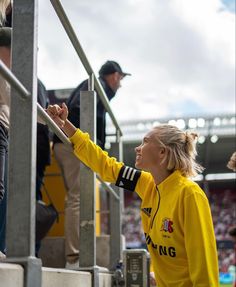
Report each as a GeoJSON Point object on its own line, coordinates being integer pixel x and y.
{"type": "Point", "coordinates": [69, 129]}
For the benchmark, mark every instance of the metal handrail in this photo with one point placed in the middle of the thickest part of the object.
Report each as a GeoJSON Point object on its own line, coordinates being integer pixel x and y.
{"type": "Point", "coordinates": [107, 187]}
{"type": "Point", "coordinates": [13, 81]}
{"type": "Point", "coordinates": [78, 48]}
{"type": "Point", "coordinates": [25, 94]}
{"type": "Point", "coordinates": [11, 78]}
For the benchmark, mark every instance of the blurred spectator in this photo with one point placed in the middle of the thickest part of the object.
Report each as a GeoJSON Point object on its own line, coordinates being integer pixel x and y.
{"type": "Point", "coordinates": [5, 8]}
{"type": "Point", "coordinates": [5, 56]}
{"type": "Point", "coordinates": [43, 149]}
{"type": "Point", "coordinates": [232, 162]}
{"type": "Point", "coordinates": [232, 232]}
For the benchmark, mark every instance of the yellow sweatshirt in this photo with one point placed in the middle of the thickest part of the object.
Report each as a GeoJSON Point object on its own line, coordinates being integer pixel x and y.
{"type": "Point", "coordinates": [176, 218]}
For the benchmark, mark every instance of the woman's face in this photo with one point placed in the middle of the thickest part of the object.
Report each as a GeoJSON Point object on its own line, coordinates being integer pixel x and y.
{"type": "Point", "coordinates": [150, 153]}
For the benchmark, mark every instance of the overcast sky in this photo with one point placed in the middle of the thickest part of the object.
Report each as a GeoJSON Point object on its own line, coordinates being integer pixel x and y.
{"type": "Point", "coordinates": [181, 53]}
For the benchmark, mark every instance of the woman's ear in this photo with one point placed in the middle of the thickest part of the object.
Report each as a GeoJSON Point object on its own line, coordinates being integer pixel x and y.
{"type": "Point", "coordinates": [162, 151]}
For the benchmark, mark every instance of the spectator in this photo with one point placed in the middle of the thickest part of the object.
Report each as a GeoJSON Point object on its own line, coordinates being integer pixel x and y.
{"type": "Point", "coordinates": [110, 76]}
{"type": "Point", "coordinates": [232, 162]}
{"type": "Point", "coordinates": [5, 7]}
{"type": "Point", "coordinates": [43, 148]}
{"type": "Point", "coordinates": [175, 212]}
{"type": "Point", "coordinates": [5, 56]}
{"type": "Point", "coordinates": [43, 142]}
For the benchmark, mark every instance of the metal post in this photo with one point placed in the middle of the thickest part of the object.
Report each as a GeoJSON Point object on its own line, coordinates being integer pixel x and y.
{"type": "Point", "coordinates": [91, 82]}
{"type": "Point", "coordinates": [22, 148]}
{"type": "Point", "coordinates": [115, 207]}
{"type": "Point", "coordinates": [87, 182]}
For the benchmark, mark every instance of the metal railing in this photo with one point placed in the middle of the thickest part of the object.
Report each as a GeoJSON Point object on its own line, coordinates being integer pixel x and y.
{"type": "Point", "coordinates": [115, 205]}
{"type": "Point", "coordinates": [79, 50]}
{"type": "Point", "coordinates": [21, 222]}
{"type": "Point", "coordinates": [25, 94]}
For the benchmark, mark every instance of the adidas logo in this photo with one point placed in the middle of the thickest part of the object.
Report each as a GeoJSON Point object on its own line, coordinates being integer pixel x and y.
{"type": "Point", "coordinates": [147, 211]}
{"type": "Point", "coordinates": [121, 183]}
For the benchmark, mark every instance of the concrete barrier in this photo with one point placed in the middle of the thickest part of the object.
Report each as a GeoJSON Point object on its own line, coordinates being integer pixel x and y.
{"type": "Point", "coordinates": [52, 277]}
{"type": "Point", "coordinates": [52, 251]}
{"type": "Point", "coordinates": [11, 275]}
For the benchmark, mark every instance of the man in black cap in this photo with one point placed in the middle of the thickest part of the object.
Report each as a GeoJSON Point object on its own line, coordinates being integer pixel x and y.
{"type": "Point", "coordinates": [110, 76]}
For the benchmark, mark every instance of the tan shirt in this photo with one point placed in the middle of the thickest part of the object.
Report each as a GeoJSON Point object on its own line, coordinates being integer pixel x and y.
{"type": "Point", "coordinates": [4, 102]}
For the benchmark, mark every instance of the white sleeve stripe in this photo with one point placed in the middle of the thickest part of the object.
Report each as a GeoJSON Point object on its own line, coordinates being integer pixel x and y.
{"type": "Point", "coordinates": [133, 174]}
{"type": "Point", "coordinates": [124, 173]}
{"type": "Point", "coordinates": [128, 175]}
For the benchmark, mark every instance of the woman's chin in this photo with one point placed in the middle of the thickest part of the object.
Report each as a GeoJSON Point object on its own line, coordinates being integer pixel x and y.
{"type": "Point", "coordinates": [137, 165]}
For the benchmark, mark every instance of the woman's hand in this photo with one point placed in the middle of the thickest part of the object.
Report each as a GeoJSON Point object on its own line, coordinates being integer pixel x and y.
{"type": "Point", "coordinates": [58, 114]}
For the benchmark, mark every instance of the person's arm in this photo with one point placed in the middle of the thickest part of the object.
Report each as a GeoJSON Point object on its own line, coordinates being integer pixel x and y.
{"type": "Point", "coordinates": [200, 241]}
{"type": "Point", "coordinates": [92, 155]}
{"type": "Point", "coordinates": [85, 149]}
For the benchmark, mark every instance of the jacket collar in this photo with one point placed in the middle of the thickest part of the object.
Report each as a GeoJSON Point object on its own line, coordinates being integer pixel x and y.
{"type": "Point", "coordinates": [174, 178]}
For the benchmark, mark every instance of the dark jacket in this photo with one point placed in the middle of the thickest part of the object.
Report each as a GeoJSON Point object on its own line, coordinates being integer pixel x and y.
{"type": "Point", "coordinates": [73, 104]}
{"type": "Point", "coordinates": [43, 143]}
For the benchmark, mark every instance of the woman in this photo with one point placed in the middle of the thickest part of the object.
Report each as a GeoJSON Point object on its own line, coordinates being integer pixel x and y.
{"type": "Point", "coordinates": [175, 212]}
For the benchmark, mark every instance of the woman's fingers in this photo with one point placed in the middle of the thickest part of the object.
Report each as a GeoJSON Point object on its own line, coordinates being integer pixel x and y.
{"type": "Point", "coordinates": [58, 114]}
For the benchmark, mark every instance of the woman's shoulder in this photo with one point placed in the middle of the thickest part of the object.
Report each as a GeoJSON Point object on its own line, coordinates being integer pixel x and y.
{"type": "Point", "coordinates": [191, 187]}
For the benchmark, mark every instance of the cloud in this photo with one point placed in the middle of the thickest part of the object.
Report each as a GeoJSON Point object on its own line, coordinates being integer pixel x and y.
{"type": "Point", "coordinates": [179, 52]}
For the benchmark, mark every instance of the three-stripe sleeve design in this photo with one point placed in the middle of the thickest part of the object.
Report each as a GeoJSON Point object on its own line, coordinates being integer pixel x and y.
{"type": "Point", "coordinates": [128, 178]}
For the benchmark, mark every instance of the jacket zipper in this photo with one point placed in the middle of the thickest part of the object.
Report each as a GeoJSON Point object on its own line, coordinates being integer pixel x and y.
{"type": "Point", "coordinates": [158, 205]}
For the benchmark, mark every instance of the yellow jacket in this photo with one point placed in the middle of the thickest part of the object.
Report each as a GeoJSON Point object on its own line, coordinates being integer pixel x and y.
{"type": "Point", "coordinates": [176, 218]}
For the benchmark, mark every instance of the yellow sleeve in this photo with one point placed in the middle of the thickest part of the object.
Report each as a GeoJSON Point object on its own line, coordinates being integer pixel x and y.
{"type": "Point", "coordinates": [200, 241]}
{"type": "Point", "coordinates": [144, 184]}
{"type": "Point", "coordinates": [94, 157]}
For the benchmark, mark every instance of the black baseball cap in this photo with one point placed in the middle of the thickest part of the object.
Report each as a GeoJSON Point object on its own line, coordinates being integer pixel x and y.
{"type": "Point", "coordinates": [5, 36]}
{"type": "Point", "coordinates": [111, 67]}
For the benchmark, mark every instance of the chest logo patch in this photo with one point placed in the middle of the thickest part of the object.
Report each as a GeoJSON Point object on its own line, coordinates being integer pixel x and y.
{"type": "Point", "coordinates": [167, 225]}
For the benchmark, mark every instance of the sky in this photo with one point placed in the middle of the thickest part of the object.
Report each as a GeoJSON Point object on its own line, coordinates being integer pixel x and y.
{"type": "Point", "coordinates": [181, 53]}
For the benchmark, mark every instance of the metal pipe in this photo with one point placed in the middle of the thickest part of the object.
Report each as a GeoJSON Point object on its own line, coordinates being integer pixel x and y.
{"type": "Point", "coordinates": [13, 81]}
{"type": "Point", "coordinates": [107, 187]}
{"type": "Point", "coordinates": [91, 82]}
{"type": "Point", "coordinates": [78, 48]}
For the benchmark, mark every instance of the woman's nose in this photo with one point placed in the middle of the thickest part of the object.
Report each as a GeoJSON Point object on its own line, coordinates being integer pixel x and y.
{"type": "Point", "coordinates": [137, 148]}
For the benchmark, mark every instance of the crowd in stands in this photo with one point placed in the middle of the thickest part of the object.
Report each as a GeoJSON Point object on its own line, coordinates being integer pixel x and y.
{"type": "Point", "coordinates": [224, 215]}
{"type": "Point", "coordinates": [132, 228]}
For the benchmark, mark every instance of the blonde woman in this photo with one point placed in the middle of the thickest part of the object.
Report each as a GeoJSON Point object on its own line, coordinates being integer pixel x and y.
{"type": "Point", "coordinates": [175, 212]}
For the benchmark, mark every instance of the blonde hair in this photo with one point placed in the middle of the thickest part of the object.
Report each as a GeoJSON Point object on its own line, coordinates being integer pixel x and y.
{"type": "Point", "coordinates": [181, 146]}
{"type": "Point", "coordinates": [3, 7]}
{"type": "Point", "coordinates": [232, 162]}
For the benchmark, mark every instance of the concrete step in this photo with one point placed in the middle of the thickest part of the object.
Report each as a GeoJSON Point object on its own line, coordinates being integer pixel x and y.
{"type": "Point", "coordinates": [52, 251]}
{"type": "Point", "coordinates": [52, 277]}
{"type": "Point", "coordinates": [12, 275]}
